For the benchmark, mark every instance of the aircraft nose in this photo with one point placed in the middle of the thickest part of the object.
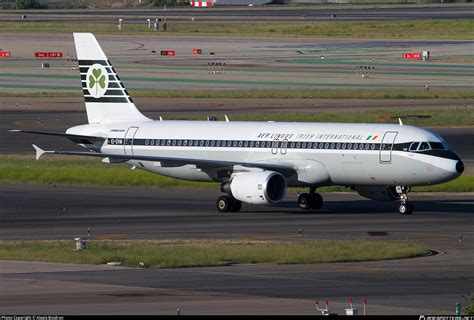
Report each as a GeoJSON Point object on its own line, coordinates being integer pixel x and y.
{"type": "Point", "coordinates": [460, 167]}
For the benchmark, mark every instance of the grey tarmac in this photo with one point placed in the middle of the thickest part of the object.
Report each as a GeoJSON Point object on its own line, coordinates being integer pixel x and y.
{"type": "Point", "coordinates": [243, 14]}
{"type": "Point", "coordinates": [426, 285]}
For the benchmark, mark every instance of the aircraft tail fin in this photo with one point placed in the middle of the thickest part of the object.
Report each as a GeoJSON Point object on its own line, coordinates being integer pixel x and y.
{"type": "Point", "coordinates": [105, 96]}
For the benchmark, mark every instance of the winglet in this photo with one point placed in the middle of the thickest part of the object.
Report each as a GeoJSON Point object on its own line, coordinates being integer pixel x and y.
{"type": "Point", "coordinates": [400, 121]}
{"type": "Point", "coordinates": [39, 151]}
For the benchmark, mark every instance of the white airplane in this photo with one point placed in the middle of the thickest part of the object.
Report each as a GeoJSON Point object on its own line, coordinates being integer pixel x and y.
{"type": "Point", "coordinates": [255, 162]}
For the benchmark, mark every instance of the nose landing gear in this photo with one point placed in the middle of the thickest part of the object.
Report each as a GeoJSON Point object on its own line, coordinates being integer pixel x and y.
{"type": "Point", "coordinates": [405, 207]}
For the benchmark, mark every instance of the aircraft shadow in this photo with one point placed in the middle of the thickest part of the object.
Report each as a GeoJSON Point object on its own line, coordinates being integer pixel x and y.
{"type": "Point", "coordinates": [377, 207]}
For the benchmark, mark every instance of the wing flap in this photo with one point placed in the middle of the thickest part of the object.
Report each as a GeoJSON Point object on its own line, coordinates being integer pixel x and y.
{"type": "Point", "coordinates": [286, 170]}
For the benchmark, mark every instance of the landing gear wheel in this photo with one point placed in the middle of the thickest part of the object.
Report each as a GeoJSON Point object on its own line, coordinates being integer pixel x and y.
{"type": "Point", "coordinates": [223, 204]}
{"type": "Point", "coordinates": [235, 205]}
{"type": "Point", "coordinates": [406, 208]}
{"type": "Point", "coordinates": [316, 201]}
{"type": "Point", "coordinates": [304, 201]}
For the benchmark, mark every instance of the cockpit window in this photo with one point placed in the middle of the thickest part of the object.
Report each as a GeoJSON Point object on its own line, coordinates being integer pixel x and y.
{"type": "Point", "coordinates": [436, 146]}
{"type": "Point", "coordinates": [414, 146]}
{"type": "Point", "coordinates": [424, 146]}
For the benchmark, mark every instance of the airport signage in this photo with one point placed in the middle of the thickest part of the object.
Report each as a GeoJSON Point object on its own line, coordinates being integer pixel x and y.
{"type": "Point", "coordinates": [5, 54]}
{"type": "Point", "coordinates": [412, 55]}
{"type": "Point", "coordinates": [168, 53]}
{"type": "Point", "coordinates": [202, 4]}
{"type": "Point", "coordinates": [197, 51]}
{"type": "Point", "coordinates": [48, 55]}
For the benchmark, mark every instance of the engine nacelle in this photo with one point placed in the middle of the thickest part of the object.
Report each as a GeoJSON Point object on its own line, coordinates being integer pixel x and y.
{"type": "Point", "coordinates": [378, 193]}
{"type": "Point", "coordinates": [265, 187]}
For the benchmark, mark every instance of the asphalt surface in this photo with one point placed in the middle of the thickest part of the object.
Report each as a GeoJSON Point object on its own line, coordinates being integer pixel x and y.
{"type": "Point", "coordinates": [250, 63]}
{"type": "Point", "coordinates": [426, 285]}
{"type": "Point", "coordinates": [237, 14]}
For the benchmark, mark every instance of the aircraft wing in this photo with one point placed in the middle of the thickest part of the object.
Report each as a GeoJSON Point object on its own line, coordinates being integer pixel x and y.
{"type": "Point", "coordinates": [285, 170]}
{"type": "Point", "coordinates": [73, 137]}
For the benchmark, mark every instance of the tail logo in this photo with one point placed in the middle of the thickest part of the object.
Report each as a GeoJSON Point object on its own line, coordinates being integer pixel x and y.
{"type": "Point", "coordinates": [97, 80]}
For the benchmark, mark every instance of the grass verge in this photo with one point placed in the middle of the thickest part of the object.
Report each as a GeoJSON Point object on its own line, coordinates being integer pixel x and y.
{"type": "Point", "coordinates": [407, 29]}
{"type": "Point", "coordinates": [437, 117]}
{"type": "Point", "coordinates": [434, 93]}
{"type": "Point", "coordinates": [174, 254]}
{"type": "Point", "coordinates": [87, 171]}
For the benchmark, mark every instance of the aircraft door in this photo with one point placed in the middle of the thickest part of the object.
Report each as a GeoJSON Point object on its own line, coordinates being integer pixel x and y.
{"type": "Point", "coordinates": [386, 146]}
{"type": "Point", "coordinates": [275, 146]}
{"type": "Point", "coordinates": [284, 145]}
{"type": "Point", "coordinates": [128, 141]}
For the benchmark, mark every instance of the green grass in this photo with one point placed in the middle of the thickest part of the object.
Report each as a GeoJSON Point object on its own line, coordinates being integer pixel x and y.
{"type": "Point", "coordinates": [160, 254]}
{"type": "Point", "coordinates": [469, 309]}
{"type": "Point", "coordinates": [88, 171]}
{"type": "Point", "coordinates": [438, 117]}
{"type": "Point", "coordinates": [84, 171]}
{"type": "Point", "coordinates": [409, 29]}
{"type": "Point", "coordinates": [361, 93]}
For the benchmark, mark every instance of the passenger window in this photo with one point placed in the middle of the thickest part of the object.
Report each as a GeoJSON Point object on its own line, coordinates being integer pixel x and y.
{"type": "Point", "coordinates": [326, 145]}
{"type": "Point", "coordinates": [292, 145]}
{"type": "Point", "coordinates": [240, 144]}
{"type": "Point", "coordinates": [372, 146]}
{"type": "Point", "coordinates": [321, 145]}
{"type": "Point", "coordinates": [251, 144]}
{"type": "Point", "coordinates": [343, 146]}
{"type": "Point", "coordinates": [349, 146]}
{"type": "Point", "coordinates": [309, 145]}
{"type": "Point", "coordinates": [246, 143]}
{"type": "Point", "coordinates": [303, 145]}
{"type": "Point", "coordinates": [298, 144]}
{"type": "Point", "coordinates": [332, 145]}
{"type": "Point", "coordinates": [174, 142]}
{"type": "Point", "coordinates": [235, 143]}
{"type": "Point", "coordinates": [207, 143]}
{"type": "Point", "coordinates": [257, 144]}
{"type": "Point", "coordinates": [185, 143]}
{"type": "Point", "coordinates": [338, 146]}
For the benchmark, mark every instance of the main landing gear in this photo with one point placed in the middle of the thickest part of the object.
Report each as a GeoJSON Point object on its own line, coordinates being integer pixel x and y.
{"type": "Point", "coordinates": [228, 204]}
{"type": "Point", "coordinates": [405, 207]}
{"type": "Point", "coordinates": [311, 200]}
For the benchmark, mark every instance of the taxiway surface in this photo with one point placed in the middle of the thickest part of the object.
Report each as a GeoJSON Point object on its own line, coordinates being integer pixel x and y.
{"type": "Point", "coordinates": [431, 284]}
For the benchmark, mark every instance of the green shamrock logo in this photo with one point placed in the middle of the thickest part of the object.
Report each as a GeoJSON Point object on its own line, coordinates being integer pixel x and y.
{"type": "Point", "coordinates": [96, 79]}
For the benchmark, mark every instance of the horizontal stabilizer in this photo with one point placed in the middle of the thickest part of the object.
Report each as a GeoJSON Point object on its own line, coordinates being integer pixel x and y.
{"type": "Point", "coordinates": [73, 137]}
{"type": "Point", "coordinates": [39, 151]}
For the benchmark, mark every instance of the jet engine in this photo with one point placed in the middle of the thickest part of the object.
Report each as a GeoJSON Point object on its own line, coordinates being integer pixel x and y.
{"type": "Point", "coordinates": [265, 187]}
{"type": "Point", "coordinates": [378, 193]}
